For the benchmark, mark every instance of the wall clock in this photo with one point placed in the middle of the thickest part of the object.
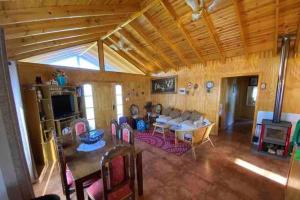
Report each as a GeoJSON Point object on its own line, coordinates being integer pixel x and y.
{"type": "Point", "coordinates": [209, 85]}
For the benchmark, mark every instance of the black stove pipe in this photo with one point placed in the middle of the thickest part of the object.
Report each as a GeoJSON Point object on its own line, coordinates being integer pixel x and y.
{"type": "Point", "coordinates": [281, 78]}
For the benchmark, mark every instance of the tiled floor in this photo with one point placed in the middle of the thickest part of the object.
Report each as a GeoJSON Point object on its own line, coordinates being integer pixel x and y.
{"type": "Point", "coordinates": [215, 175]}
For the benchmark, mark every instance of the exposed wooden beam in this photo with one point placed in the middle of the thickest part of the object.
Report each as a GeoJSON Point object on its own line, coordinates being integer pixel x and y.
{"type": "Point", "coordinates": [49, 49]}
{"type": "Point", "coordinates": [142, 50]}
{"type": "Point", "coordinates": [152, 45]}
{"type": "Point", "coordinates": [212, 33]}
{"type": "Point", "coordinates": [101, 54]}
{"type": "Point", "coordinates": [297, 41]}
{"type": "Point", "coordinates": [56, 25]}
{"type": "Point", "coordinates": [41, 45]}
{"type": "Point", "coordinates": [144, 9]}
{"type": "Point", "coordinates": [167, 40]}
{"type": "Point", "coordinates": [275, 48]}
{"type": "Point", "coordinates": [24, 41]}
{"type": "Point", "coordinates": [167, 6]}
{"type": "Point", "coordinates": [62, 12]}
{"type": "Point", "coordinates": [126, 57]}
{"type": "Point", "coordinates": [132, 53]}
{"type": "Point", "coordinates": [241, 25]}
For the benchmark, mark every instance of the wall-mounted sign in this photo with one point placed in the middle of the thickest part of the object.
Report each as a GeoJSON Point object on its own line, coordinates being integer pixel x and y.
{"type": "Point", "coordinates": [164, 85]}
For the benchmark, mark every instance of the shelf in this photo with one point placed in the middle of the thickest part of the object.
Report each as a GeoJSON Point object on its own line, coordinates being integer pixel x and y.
{"type": "Point", "coordinates": [46, 120]}
{"type": "Point", "coordinates": [63, 118]}
{"type": "Point", "coordinates": [274, 142]}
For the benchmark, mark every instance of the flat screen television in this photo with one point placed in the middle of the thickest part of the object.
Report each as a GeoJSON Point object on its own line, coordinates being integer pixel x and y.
{"type": "Point", "coordinates": [63, 105]}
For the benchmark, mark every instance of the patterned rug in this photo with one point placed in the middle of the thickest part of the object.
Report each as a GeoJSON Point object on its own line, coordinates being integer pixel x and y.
{"type": "Point", "coordinates": [157, 140]}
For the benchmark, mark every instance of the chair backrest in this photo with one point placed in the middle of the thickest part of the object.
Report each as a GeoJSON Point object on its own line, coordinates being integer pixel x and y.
{"type": "Point", "coordinates": [201, 134]}
{"type": "Point", "coordinates": [115, 129]}
{"type": "Point", "coordinates": [118, 170]}
{"type": "Point", "coordinates": [127, 134]}
{"type": "Point", "coordinates": [61, 163]}
{"type": "Point", "coordinates": [79, 126]}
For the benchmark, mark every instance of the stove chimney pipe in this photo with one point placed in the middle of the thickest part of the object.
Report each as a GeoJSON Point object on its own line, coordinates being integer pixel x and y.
{"type": "Point", "coordinates": [281, 78]}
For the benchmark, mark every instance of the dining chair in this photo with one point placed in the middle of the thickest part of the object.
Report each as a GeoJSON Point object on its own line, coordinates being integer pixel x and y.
{"type": "Point", "coordinates": [115, 129]}
{"type": "Point", "coordinates": [118, 176]}
{"type": "Point", "coordinates": [67, 180]}
{"type": "Point", "coordinates": [79, 126]}
{"type": "Point", "coordinates": [127, 134]}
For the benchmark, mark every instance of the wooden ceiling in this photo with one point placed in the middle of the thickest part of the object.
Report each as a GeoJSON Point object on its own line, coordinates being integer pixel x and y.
{"type": "Point", "coordinates": [160, 32]}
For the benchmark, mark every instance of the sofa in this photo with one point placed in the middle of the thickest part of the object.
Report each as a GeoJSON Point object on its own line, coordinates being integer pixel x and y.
{"type": "Point", "coordinates": [185, 120]}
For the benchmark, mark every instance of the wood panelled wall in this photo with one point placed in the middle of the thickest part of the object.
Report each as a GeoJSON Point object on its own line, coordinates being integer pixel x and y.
{"type": "Point", "coordinates": [264, 65]}
{"type": "Point", "coordinates": [136, 88]}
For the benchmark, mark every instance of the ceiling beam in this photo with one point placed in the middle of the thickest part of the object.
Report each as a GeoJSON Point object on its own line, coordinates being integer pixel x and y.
{"type": "Point", "coordinates": [167, 40]}
{"type": "Point", "coordinates": [241, 25]}
{"type": "Point", "coordinates": [56, 25]}
{"type": "Point", "coordinates": [142, 50]}
{"type": "Point", "coordinates": [165, 57]}
{"type": "Point", "coordinates": [30, 40]}
{"type": "Point", "coordinates": [109, 42]}
{"type": "Point", "coordinates": [46, 44]}
{"type": "Point", "coordinates": [167, 6]}
{"type": "Point", "coordinates": [132, 53]}
{"type": "Point", "coordinates": [49, 49]}
{"type": "Point", "coordinates": [275, 47]}
{"type": "Point", "coordinates": [297, 41]}
{"type": "Point", "coordinates": [101, 54]}
{"type": "Point", "coordinates": [62, 12]}
{"type": "Point", "coordinates": [212, 33]}
{"type": "Point", "coordinates": [144, 9]}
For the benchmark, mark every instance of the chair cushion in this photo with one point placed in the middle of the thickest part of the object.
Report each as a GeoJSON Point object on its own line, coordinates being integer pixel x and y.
{"type": "Point", "coordinates": [113, 129]}
{"type": "Point", "coordinates": [195, 116]}
{"type": "Point", "coordinates": [175, 122]}
{"type": "Point", "coordinates": [80, 128]}
{"type": "Point", "coordinates": [175, 113]}
{"type": "Point", "coordinates": [116, 171]}
{"type": "Point", "coordinates": [95, 191]}
{"type": "Point", "coordinates": [69, 175]}
{"type": "Point", "coordinates": [163, 119]}
{"type": "Point", "coordinates": [186, 115]}
{"type": "Point", "coordinates": [167, 111]}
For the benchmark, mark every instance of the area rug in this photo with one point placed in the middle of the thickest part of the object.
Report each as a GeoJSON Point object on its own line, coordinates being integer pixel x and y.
{"type": "Point", "coordinates": [157, 140]}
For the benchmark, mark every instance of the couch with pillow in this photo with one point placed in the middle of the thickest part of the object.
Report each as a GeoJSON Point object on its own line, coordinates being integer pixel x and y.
{"type": "Point", "coordinates": [183, 117]}
{"type": "Point", "coordinates": [195, 120]}
{"type": "Point", "coordinates": [168, 114]}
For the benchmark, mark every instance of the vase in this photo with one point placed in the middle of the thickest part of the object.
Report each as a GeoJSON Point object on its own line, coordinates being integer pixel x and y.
{"type": "Point", "coordinates": [61, 80]}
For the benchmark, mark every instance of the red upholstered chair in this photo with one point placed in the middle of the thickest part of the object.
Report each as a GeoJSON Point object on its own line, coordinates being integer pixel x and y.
{"type": "Point", "coordinates": [79, 126]}
{"type": "Point", "coordinates": [127, 134]}
{"type": "Point", "coordinates": [117, 176]}
{"type": "Point", "coordinates": [115, 129]}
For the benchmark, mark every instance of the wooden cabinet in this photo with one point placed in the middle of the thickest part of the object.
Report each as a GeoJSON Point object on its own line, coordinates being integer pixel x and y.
{"type": "Point", "coordinates": [41, 123]}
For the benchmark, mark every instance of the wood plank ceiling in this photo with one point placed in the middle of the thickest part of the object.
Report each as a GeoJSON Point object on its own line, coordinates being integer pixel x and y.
{"type": "Point", "coordinates": [160, 32]}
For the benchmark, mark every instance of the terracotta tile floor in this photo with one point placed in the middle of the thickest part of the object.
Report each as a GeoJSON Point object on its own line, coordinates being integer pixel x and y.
{"type": "Point", "coordinates": [213, 176]}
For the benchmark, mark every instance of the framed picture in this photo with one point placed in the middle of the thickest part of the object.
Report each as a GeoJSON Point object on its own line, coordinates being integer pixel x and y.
{"type": "Point", "coordinates": [253, 81]}
{"type": "Point", "coordinates": [164, 85]}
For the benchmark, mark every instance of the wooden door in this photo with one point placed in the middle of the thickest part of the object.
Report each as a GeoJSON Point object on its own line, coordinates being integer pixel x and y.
{"type": "Point", "coordinates": [104, 103]}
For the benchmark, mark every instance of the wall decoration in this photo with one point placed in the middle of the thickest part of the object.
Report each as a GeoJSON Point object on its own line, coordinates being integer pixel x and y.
{"type": "Point", "coordinates": [164, 85]}
{"type": "Point", "coordinates": [182, 91]}
{"type": "Point", "coordinates": [209, 85]}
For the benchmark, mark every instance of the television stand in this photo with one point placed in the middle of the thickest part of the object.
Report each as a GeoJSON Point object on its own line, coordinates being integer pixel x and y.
{"type": "Point", "coordinates": [64, 122]}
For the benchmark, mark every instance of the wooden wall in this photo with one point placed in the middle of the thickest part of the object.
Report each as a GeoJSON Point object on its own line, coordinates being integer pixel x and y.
{"type": "Point", "coordinates": [135, 87]}
{"type": "Point", "coordinates": [264, 65]}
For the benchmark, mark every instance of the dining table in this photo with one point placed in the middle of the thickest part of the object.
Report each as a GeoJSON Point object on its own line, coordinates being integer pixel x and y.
{"type": "Point", "coordinates": [86, 165]}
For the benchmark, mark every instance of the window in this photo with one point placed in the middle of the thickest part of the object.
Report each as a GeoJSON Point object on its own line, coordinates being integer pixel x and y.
{"type": "Point", "coordinates": [251, 95]}
{"type": "Point", "coordinates": [89, 105]}
{"type": "Point", "coordinates": [119, 101]}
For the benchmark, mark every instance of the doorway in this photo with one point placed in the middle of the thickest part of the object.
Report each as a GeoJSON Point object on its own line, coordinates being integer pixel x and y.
{"type": "Point", "coordinates": [237, 104]}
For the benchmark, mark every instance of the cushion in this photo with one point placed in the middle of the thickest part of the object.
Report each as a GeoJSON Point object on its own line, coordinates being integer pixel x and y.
{"type": "Point", "coordinates": [80, 128]}
{"type": "Point", "coordinates": [167, 111]}
{"type": "Point", "coordinates": [117, 173]}
{"type": "Point", "coordinates": [175, 113]}
{"type": "Point", "coordinates": [174, 122]}
{"type": "Point", "coordinates": [163, 119]}
{"type": "Point", "coordinates": [126, 135]}
{"type": "Point", "coordinates": [186, 115]}
{"type": "Point", "coordinates": [70, 179]}
{"type": "Point", "coordinates": [113, 129]}
{"type": "Point", "coordinates": [195, 116]}
{"type": "Point", "coordinates": [95, 191]}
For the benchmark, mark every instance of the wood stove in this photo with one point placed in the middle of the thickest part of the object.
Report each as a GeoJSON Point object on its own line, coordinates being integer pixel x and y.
{"type": "Point", "coordinates": [276, 133]}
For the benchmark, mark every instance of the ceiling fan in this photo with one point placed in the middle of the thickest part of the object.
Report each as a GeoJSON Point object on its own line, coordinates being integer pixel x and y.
{"type": "Point", "coordinates": [121, 45]}
{"type": "Point", "coordinates": [198, 6]}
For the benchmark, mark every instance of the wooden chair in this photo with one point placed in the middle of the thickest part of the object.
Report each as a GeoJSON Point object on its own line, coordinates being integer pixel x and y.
{"type": "Point", "coordinates": [199, 137]}
{"type": "Point", "coordinates": [127, 134]}
{"type": "Point", "coordinates": [79, 126]}
{"type": "Point", "coordinates": [117, 174]}
{"type": "Point", "coordinates": [115, 129]}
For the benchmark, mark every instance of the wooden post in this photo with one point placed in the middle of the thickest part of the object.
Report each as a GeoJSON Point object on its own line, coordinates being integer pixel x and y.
{"type": "Point", "coordinates": [101, 55]}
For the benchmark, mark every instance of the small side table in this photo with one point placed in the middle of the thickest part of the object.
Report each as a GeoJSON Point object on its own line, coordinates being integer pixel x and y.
{"type": "Point", "coordinates": [161, 128]}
